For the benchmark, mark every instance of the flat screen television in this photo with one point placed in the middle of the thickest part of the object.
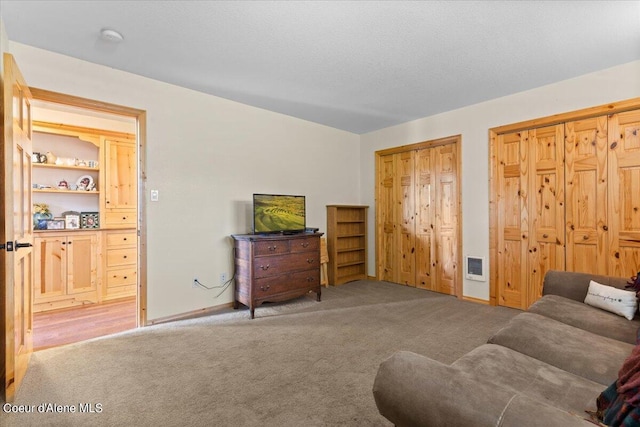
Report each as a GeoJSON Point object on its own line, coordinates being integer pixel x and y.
{"type": "Point", "coordinates": [278, 213]}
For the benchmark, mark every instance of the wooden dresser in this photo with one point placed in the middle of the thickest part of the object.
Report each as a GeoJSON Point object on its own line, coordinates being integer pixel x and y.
{"type": "Point", "coordinates": [275, 267]}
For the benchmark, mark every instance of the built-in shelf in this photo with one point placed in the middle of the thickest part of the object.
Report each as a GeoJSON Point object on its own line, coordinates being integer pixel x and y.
{"type": "Point", "coordinates": [53, 190]}
{"type": "Point", "coordinates": [69, 167]}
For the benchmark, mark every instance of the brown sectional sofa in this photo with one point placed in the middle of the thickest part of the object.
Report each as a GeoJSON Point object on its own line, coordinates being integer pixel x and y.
{"type": "Point", "coordinates": [544, 368]}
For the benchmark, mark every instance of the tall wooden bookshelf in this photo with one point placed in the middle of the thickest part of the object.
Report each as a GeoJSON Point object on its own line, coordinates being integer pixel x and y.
{"type": "Point", "coordinates": [347, 243]}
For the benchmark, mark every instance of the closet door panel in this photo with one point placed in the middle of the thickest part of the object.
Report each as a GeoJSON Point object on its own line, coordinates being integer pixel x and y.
{"type": "Point", "coordinates": [446, 219]}
{"type": "Point", "coordinates": [406, 214]}
{"type": "Point", "coordinates": [512, 221]}
{"type": "Point", "coordinates": [387, 219]}
{"type": "Point", "coordinates": [425, 221]}
{"type": "Point", "coordinates": [624, 186]}
{"type": "Point", "coordinates": [546, 190]}
{"type": "Point", "coordinates": [586, 195]}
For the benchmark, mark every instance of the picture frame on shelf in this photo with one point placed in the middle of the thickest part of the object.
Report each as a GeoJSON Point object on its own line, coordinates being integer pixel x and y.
{"type": "Point", "coordinates": [71, 220]}
{"type": "Point", "coordinates": [55, 224]}
{"type": "Point", "coordinates": [89, 220]}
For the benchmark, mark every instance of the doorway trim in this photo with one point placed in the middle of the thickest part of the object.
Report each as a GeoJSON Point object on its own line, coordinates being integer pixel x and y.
{"type": "Point", "coordinates": [141, 138]}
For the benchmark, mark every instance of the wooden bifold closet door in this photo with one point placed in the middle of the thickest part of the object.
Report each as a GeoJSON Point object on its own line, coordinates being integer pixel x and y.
{"type": "Point", "coordinates": [417, 216]}
{"type": "Point", "coordinates": [567, 197]}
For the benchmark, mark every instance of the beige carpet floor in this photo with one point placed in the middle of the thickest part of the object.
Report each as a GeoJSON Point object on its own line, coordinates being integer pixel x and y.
{"type": "Point", "coordinates": [299, 363]}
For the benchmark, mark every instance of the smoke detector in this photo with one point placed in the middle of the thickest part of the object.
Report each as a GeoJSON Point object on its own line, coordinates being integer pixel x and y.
{"type": "Point", "coordinates": [111, 36]}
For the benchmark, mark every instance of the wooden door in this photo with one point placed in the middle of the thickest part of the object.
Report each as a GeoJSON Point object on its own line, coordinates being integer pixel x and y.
{"type": "Point", "coordinates": [546, 207]}
{"type": "Point", "coordinates": [425, 219]}
{"type": "Point", "coordinates": [121, 175]}
{"type": "Point", "coordinates": [417, 210]}
{"type": "Point", "coordinates": [82, 263]}
{"type": "Point", "coordinates": [386, 219]}
{"type": "Point", "coordinates": [17, 261]}
{"type": "Point", "coordinates": [586, 195]}
{"type": "Point", "coordinates": [50, 267]}
{"type": "Point", "coordinates": [404, 195]}
{"type": "Point", "coordinates": [512, 158]}
{"type": "Point", "coordinates": [624, 191]}
{"type": "Point", "coordinates": [446, 216]}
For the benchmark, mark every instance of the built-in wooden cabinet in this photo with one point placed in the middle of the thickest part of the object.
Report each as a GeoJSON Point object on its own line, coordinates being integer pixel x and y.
{"type": "Point", "coordinates": [566, 198]}
{"type": "Point", "coordinates": [67, 269]}
{"type": "Point", "coordinates": [120, 184]}
{"type": "Point", "coordinates": [121, 272]}
{"type": "Point", "coordinates": [66, 257]}
{"type": "Point", "coordinates": [417, 215]}
{"type": "Point", "coordinates": [346, 243]}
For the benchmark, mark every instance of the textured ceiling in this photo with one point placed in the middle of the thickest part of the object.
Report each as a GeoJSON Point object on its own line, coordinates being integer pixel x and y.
{"type": "Point", "coordinates": [357, 66]}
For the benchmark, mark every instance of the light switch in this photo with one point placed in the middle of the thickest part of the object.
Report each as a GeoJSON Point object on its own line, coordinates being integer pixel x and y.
{"type": "Point", "coordinates": [154, 195]}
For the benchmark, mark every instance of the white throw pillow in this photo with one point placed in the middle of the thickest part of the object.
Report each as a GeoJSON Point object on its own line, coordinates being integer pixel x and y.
{"type": "Point", "coordinates": [612, 299]}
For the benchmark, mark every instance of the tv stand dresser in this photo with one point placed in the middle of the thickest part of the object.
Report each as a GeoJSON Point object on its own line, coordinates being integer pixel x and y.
{"type": "Point", "coordinates": [275, 267]}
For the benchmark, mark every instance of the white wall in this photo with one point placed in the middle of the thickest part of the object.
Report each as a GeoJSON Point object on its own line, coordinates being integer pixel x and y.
{"type": "Point", "coordinates": [207, 156]}
{"type": "Point", "coordinates": [473, 123]}
{"type": "Point", "coordinates": [4, 46]}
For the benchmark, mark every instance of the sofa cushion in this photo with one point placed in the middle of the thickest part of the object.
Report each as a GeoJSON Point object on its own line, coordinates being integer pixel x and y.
{"type": "Point", "coordinates": [580, 352]}
{"type": "Point", "coordinates": [585, 317]}
{"type": "Point", "coordinates": [618, 301]}
{"type": "Point", "coordinates": [506, 368]}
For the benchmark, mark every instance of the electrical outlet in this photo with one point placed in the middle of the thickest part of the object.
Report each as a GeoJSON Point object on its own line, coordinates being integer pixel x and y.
{"type": "Point", "coordinates": [223, 278]}
{"type": "Point", "coordinates": [195, 284]}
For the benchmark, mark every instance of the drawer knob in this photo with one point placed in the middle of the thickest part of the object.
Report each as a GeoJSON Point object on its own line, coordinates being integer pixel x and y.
{"type": "Point", "coordinates": [310, 260]}
{"type": "Point", "coordinates": [273, 248]}
{"type": "Point", "coordinates": [125, 277]}
{"type": "Point", "coordinates": [310, 279]}
{"type": "Point", "coordinates": [124, 256]}
{"type": "Point", "coordinates": [265, 288]}
{"type": "Point", "coordinates": [124, 218]}
{"type": "Point", "coordinates": [124, 239]}
{"type": "Point", "coordinates": [545, 236]}
{"type": "Point", "coordinates": [264, 267]}
{"type": "Point", "coordinates": [304, 244]}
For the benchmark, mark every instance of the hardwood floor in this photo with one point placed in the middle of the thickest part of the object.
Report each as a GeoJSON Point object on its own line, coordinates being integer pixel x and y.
{"type": "Point", "coordinates": [66, 326]}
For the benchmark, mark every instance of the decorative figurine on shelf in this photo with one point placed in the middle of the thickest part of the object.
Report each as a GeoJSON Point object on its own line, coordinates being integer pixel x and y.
{"type": "Point", "coordinates": [63, 185]}
{"type": "Point", "coordinates": [41, 214]}
{"type": "Point", "coordinates": [51, 158]}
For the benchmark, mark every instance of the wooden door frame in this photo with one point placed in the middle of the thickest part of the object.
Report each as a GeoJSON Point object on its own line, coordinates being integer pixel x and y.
{"type": "Point", "coordinates": [141, 138]}
{"type": "Point", "coordinates": [454, 139]}
{"type": "Point", "coordinates": [494, 193]}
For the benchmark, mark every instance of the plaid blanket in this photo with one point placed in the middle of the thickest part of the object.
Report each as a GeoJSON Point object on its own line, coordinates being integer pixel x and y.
{"type": "Point", "coordinates": [619, 404]}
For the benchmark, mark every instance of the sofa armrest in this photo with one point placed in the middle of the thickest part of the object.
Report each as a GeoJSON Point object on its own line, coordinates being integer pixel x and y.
{"type": "Point", "coordinates": [574, 285]}
{"type": "Point", "coordinates": [413, 390]}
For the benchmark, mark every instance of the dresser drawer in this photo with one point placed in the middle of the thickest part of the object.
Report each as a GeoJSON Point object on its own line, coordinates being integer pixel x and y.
{"type": "Point", "coordinates": [121, 277]}
{"type": "Point", "coordinates": [271, 247]}
{"type": "Point", "coordinates": [120, 219]}
{"type": "Point", "coordinates": [304, 245]}
{"type": "Point", "coordinates": [279, 264]}
{"type": "Point", "coordinates": [119, 257]}
{"type": "Point", "coordinates": [268, 286]}
{"type": "Point", "coordinates": [125, 238]}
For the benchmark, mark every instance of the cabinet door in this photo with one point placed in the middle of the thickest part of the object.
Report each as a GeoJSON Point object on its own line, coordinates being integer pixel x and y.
{"type": "Point", "coordinates": [50, 267]}
{"type": "Point", "coordinates": [120, 175]}
{"type": "Point", "coordinates": [586, 195]}
{"type": "Point", "coordinates": [82, 263]}
{"type": "Point", "coordinates": [624, 191]}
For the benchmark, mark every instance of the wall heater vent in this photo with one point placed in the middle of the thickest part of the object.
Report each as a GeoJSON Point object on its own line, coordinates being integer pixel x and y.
{"type": "Point", "coordinates": [475, 268]}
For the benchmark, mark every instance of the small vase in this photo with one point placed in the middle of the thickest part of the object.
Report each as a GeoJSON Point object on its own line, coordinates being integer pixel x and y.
{"type": "Point", "coordinates": [40, 220]}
